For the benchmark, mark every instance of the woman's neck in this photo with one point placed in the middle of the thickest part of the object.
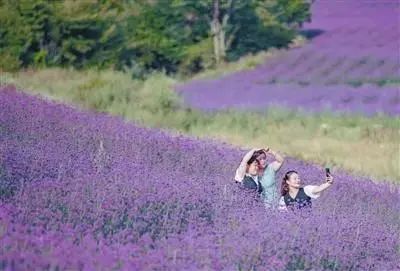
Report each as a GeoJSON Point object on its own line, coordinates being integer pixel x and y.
{"type": "Point", "coordinates": [293, 191]}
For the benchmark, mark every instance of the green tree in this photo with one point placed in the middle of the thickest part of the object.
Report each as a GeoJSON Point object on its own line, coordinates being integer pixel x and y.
{"type": "Point", "coordinates": [26, 30]}
{"type": "Point", "coordinates": [143, 35]}
{"type": "Point", "coordinates": [90, 33]}
{"type": "Point", "coordinates": [40, 45]}
{"type": "Point", "coordinates": [243, 25]}
{"type": "Point", "coordinates": [68, 33]}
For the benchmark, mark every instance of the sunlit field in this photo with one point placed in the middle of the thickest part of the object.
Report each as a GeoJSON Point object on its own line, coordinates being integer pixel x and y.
{"type": "Point", "coordinates": [349, 141]}
{"type": "Point", "coordinates": [125, 130]}
{"type": "Point", "coordinates": [94, 192]}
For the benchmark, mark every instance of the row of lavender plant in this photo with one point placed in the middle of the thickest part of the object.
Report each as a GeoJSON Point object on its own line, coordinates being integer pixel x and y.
{"type": "Point", "coordinates": [338, 14]}
{"type": "Point", "coordinates": [240, 93]}
{"type": "Point", "coordinates": [83, 191]}
{"type": "Point", "coordinates": [312, 65]}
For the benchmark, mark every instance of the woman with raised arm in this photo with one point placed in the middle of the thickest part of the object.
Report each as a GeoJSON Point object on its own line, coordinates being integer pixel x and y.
{"type": "Point", "coordinates": [295, 196]}
{"type": "Point", "coordinates": [255, 173]}
{"type": "Point", "coordinates": [267, 171]}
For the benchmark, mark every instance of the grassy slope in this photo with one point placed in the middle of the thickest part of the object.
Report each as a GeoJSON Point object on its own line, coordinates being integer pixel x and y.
{"type": "Point", "coordinates": [367, 146]}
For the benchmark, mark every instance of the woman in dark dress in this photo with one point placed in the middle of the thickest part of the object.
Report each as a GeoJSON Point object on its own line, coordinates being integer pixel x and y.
{"type": "Point", "coordinates": [296, 196]}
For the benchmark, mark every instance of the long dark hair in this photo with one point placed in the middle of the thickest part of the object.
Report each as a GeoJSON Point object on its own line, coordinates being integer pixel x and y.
{"type": "Point", "coordinates": [285, 186]}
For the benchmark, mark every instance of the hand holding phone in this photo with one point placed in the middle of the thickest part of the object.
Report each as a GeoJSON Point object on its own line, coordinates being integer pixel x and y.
{"type": "Point", "coordinates": [327, 172]}
{"type": "Point", "coordinates": [329, 178]}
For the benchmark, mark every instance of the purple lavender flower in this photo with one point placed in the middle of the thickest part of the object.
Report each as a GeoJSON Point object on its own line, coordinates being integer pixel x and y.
{"type": "Point", "coordinates": [87, 191]}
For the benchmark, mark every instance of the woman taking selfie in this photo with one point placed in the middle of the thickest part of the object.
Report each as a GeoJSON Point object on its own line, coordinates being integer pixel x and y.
{"type": "Point", "coordinates": [295, 196]}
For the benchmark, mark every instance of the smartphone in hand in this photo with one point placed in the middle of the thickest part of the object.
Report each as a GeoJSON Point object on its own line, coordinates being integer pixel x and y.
{"type": "Point", "coordinates": [327, 172]}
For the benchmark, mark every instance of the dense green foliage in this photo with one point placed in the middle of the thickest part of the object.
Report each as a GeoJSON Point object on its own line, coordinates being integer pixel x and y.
{"type": "Point", "coordinates": [69, 33]}
{"type": "Point", "coordinates": [141, 35]}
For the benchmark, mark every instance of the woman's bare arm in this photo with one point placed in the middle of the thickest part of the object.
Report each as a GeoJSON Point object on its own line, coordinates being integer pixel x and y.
{"type": "Point", "coordinates": [241, 170]}
{"type": "Point", "coordinates": [279, 159]}
{"type": "Point", "coordinates": [320, 188]}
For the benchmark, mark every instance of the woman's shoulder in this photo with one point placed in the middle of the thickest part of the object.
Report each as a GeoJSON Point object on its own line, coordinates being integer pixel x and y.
{"type": "Point", "coordinates": [308, 190]}
{"type": "Point", "coordinates": [282, 204]}
{"type": "Point", "coordinates": [269, 170]}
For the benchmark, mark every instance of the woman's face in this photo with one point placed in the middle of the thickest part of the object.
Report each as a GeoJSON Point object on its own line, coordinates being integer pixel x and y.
{"type": "Point", "coordinates": [294, 181]}
{"type": "Point", "coordinates": [262, 160]}
{"type": "Point", "coordinates": [252, 169]}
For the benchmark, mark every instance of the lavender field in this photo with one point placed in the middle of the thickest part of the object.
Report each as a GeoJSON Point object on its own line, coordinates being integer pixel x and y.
{"type": "Point", "coordinates": [86, 191]}
{"type": "Point", "coordinates": [241, 93]}
{"type": "Point", "coordinates": [351, 64]}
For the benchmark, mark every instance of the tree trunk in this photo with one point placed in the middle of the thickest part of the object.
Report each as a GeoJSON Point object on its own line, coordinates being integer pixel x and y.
{"type": "Point", "coordinates": [217, 33]}
{"type": "Point", "coordinates": [219, 24]}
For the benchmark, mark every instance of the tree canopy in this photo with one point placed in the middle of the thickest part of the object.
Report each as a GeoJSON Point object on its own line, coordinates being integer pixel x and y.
{"type": "Point", "coordinates": [143, 35]}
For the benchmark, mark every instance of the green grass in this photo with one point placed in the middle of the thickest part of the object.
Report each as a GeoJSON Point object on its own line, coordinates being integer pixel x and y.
{"type": "Point", "coordinates": [365, 146]}
{"type": "Point", "coordinates": [247, 62]}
